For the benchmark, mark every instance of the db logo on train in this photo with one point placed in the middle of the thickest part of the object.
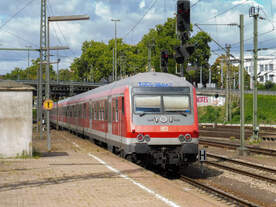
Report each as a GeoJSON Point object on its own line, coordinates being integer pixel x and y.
{"type": "Point", "coordinates": [48, 104]}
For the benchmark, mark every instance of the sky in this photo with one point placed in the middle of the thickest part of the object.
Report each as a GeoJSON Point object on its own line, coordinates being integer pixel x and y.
{"type": "Point", "coordinates": [20, 25]}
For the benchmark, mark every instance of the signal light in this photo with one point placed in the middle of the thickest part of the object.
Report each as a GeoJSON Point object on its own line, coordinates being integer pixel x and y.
{"type": "Point", "coordinates": [164, 58]}
{"type": "Point", "coordinates": [183, 15]}
{"type": "Point", "coordinates": [182, 53]}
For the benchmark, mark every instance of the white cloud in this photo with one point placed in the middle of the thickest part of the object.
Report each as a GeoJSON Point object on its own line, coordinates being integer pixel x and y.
{"type": "Point", "coordinates": [102, 10]}
{"type": "Point", "coordinates": [25, 26]}
{"type": "Point", "coordinates": [142, 4]}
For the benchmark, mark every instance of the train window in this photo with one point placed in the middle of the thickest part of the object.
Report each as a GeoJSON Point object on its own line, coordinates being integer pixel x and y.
{"type": "Point", "coordinates": [95, 112]}
{"type": "Point", "coordinates": [109, 112]}
{"type": "Point", "coordinates": [101, 112]}
{"type": "Point", "coordinates": [84, 111]}
{"type": "Point", "coordinates": [117, 109]}
{"type": "Point", "coordinates": [180, 103]}
{"type": "Point", "coordinates": [105, 110]}
{"type": "Point", "coordinates": [98, 110]}
{"type": "Point", "coordinates": [113, 114]}
{"type": "Point", "coordinates": [147, 104]}
{"type": "Point", "coordinates": [123, 105]}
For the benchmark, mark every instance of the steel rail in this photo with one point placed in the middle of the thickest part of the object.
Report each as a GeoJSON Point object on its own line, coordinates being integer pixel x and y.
{"type": "Point", "coordinates": [259, 167]}
{"type": "Point", "coordinates": [264, 151]}
{"type": "Point", "coordinates": [217, 192]}
{"type": "Point", "coordinates": [253, 175]}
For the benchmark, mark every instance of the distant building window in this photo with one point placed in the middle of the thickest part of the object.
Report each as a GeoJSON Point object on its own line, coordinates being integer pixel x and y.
{"type": "Point", "coordinates": [270, 67]}
{"type": "Point", "coordinates": [261, 68]}
{"type": "Point", "coordinates": [261, 78]}
{"type": "Point", "coordinates": [246, 68]}
{"type": "Point", "coordinates": [266, 67]}
{"type": "Point", "coordinates": [271, 78]}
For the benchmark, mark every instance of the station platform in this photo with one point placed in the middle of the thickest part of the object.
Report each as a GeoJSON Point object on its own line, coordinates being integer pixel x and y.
{"type": "Point", "coordinates": [78, 173]}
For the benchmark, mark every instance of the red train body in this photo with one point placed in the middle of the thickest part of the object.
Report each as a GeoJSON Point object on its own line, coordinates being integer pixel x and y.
{"type": "Point", "coordinates": [150, 116]}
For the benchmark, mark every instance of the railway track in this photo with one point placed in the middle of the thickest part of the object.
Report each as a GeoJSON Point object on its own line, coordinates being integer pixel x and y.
{"type": "Point", "coordinates": [227, 132]}
{"type": "Point", "coordinates": [256, 150]}
{"type": "Point", "coordinates": [219, 193]}
{"type": "Point", "coordinates": [259, 167]}
{"type": "Point", "coordinates": [240, 171]}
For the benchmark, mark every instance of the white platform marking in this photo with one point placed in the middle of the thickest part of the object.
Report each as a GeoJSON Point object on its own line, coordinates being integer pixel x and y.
{"type": "Point", "coordinates": [165, 200]}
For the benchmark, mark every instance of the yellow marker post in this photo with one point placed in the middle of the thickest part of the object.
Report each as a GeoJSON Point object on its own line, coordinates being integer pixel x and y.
{"type": "Point", "coordinates": [48, 104]}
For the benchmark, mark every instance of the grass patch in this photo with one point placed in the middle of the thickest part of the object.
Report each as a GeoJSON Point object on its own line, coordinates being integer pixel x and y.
{"type": "Point", "coordinates": [266, 111]}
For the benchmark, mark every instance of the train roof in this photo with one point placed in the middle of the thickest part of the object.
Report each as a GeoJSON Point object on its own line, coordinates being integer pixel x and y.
{"type": "Point", "coordinates": [148, 79]}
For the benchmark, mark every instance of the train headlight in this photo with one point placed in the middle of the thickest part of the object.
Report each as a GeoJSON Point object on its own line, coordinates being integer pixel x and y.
{"type": "Point", "coordinates": [188, 138]}
{"type": "Point", "coordinates": [147, 138]}
{"type": "Point", "coordinates": [181, 138]}
{"type": "Point", "coordinates": [140, 138]}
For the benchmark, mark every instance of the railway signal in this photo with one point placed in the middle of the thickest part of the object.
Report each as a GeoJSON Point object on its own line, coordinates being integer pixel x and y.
{"type": "Point", "coordinates": [183, 15]}
{"type": "Point", "coordinates": [182, 53]}
{"type": "Point", "coordinates": [164, 60]}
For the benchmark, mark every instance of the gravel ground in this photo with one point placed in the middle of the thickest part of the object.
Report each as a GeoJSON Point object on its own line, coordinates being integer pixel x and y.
{"type": "Point", "coordinates": [249, 188]}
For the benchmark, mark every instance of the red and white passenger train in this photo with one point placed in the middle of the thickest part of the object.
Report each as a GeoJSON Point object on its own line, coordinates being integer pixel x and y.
{"type": "Point", "coordinates": [150, 116]}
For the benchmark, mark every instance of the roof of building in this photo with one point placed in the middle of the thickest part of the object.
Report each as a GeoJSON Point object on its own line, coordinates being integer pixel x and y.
{"type": "Point", "coordinates": [9, 85]}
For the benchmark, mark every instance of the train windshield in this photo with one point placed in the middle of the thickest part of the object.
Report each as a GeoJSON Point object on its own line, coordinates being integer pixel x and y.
{"type": "Point", "coordinates": [147, 104]}
{"type": "Point", "coordinates": [162, 104]}
{"type": "Point", "coordinates": [180, 103]}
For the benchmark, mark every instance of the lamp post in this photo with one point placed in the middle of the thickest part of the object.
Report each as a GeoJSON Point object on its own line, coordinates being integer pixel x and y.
{"type": "Point", "coordinates": [29, 47]}
{"type": "Point", "coordinates": [115, 21]}
{"type": "Point", "coordinates": [47, 89]}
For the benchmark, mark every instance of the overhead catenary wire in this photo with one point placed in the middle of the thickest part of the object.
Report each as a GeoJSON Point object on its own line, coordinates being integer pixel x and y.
{"type": "Point", "coordinates": [223, 12]}
{"type": "Point", "coordinates": [16, 13]}
{"type": "Point", "coordinates": [195, 3]}
{"type": "Point", "coordinates": [65, 40]}
{"type": "Point", "coordinates": [141, 19]}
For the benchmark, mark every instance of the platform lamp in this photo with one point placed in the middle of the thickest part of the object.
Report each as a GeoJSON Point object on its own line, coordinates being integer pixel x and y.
{"type": "Point", "coordinates": [47, 89]}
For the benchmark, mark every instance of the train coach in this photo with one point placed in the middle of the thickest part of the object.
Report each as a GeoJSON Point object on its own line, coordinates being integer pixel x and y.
{"type": "Point", "coordinates": [150, 116]}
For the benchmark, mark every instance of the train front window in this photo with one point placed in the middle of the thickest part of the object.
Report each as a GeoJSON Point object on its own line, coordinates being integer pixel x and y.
{"type": "Point", "coordinates": [147, 104]}
{"type": "Point", "coordinates": [180, 103]}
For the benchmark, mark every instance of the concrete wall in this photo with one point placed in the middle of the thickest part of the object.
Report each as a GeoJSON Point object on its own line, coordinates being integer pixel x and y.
{"type": "Point", "coordinates": [15, 123]}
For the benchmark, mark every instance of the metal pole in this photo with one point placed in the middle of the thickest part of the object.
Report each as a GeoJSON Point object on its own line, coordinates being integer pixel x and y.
{"type": "Point", "coordinates": [28, 57]}
{"type": "Point", "coordinates": [221, 74]}
{"type": "Point", "coordinates": [227, 83]}
{"type": "Point", "coordinates": [115, 50]}
{"type": "Point", "coordinates": [47, 89]}
{"type": "Point", "coordinates": [210, 76]}
{"type": "Point", "coordinates": [40, 70]}
{"type": "Point", "coordinates": [115, 21]}
{"type": "Point", "coordinates": [242, 148]}
{"type": "Point", "coordinates": [149, 58]}
{"type": "Point", "coordinates": [255, 92]}
{"type": "Point", "coordinates": [201, 75]}
{"type": "Point", "coordinates": [57, 66]}
{"type": "Point", "coordinates": [113, 64]}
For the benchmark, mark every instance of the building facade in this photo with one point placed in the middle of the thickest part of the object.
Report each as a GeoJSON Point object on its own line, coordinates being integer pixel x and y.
{"type": "Point", "coordinates": [15, 119]}
{"type": "Point", "coordinates": [266, 69]}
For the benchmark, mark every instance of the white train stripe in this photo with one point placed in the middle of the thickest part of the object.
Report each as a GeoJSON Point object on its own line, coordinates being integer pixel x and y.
{"type": "Point", "coordinates": [165, 200]}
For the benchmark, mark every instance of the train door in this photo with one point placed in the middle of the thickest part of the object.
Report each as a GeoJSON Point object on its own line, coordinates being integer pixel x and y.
{"type": "Point", "coordinates": [109, 127]}
{"type": "Point", "coordinates": [90, 115]}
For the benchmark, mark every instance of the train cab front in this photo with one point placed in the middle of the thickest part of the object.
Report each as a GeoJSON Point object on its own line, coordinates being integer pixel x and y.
{"type": "Point", "coordinates": [164, 124]}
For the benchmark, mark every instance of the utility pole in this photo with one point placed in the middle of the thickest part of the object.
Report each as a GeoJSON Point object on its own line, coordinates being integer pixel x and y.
{"type": "Point", "coordinates": [43, 40]}
{"type": "Point", "coordinates": [113, 66]}
{"type": "Point", "coordinates": [254, 12]}
{"type": "Point", "coordinates": [221, 74]}
{"type": "Point", "coordinates": [115, 21]}
{"type": "Point", "coordinates": [58, 60]}
{"type": "Point", "coordinates": [210, 76]}
{"type": "Point", "coordinates": [227, 83]}
{"type": "Point", "coordinates": [28, 54]}
{"type": "Point", "coordinates": [200, 75]}
{"type": "Point", "coordinates": [242, 148]}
